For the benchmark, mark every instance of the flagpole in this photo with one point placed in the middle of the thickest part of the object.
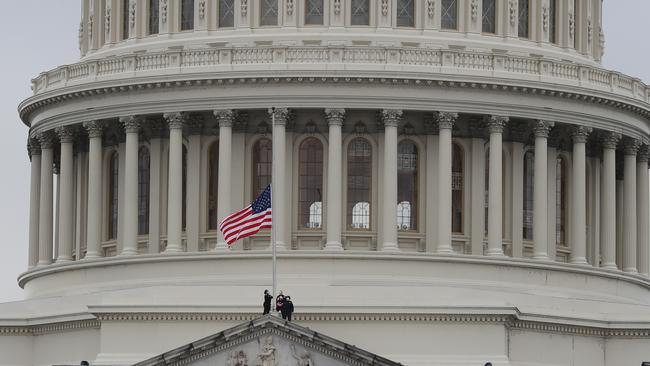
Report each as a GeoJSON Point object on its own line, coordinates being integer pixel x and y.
{"type": "Point", "coordinates": [273, 221]}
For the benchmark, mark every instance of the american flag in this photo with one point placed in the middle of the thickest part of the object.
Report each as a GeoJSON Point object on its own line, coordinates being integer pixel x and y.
{"type": "Point", "coordinates": [250, 220]}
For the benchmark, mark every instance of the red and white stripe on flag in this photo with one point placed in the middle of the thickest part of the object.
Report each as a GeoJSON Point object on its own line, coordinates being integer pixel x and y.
{"type": "Point", "coordinates": [250, 220]}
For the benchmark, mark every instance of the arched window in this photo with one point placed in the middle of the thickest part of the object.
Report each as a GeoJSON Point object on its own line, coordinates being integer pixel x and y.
{"type": "Point", "coordinates": [268, 12]}
{"type": "Point", "coordinates": [213, 185]}
{"type": "Point", "coordinates": [187, 14]}
{"type": "Point", "coordinates": [226, 13]}
{"type": "Point", "coordinates": [184, 189]}
{"type": "Point", "coordinates": [143, 190]}
{"type": "Point", "coordinates": [359, 184]}
{"type": "Point", "coordinates": [314, 10]}
{"type": "Point", "coordinates": [360, 12]}
{"type": "Point", "coordinates": [407, 185]}
{"type": "Point", "coordinates": [316, 215]}
{"type": "Point", "coordinates": [552, 21]}
{"type": "Point", "coordinates": [529, 176]}
{"type": "Point", "coordinates": [113, 184]}
{"type": "Point", "coordinates": [153, 16]}
{"type": "Point", "coordinates": [457, 173]}
{"type": "Point", "coordinates": [449, 17]}
{"type": "Point", "coordinates": [524, 11]}
{"type": "Point", "coordinates": [310, 183]}
{"type": "Point", "coordinates": [125, 19]}
{"type": "Point", "coordinates": [489, 16]}
{"type": "Point", "coordinates": [560, 201]}
{"type": "Point", "coordinates": [262, 157]}
{"type": "Point", "coordinates": [405, 13]}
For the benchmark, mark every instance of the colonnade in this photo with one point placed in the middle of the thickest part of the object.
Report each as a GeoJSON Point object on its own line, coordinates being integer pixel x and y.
{"type": "Point", "coordinates": [635, 221]}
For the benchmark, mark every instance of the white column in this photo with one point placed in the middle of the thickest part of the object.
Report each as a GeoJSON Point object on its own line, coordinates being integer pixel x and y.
{"type": "Point", "coordinates": [94, 224]}
{"type": "Point", "coordinates": [432, 187]}
{"type": "Point", "coordinates": [445, 124]}
{"type": "Point", "coordinates": [175, 182]}
{"type": "Point", "coordinates": [517, 199]}
{"type": "Point", "coordinates": [34, 199]}
{"type": "Point", "coordinates": [540, 240]}
{"type": "Point", "coordinates": [608, 201]}
{"type": "Point", "coordinates": [335, 119]}
{"type": "Point", "coordinates": [579, 196]}
{"type": "Point", "coordinates": [66, 195]}
{"type": "Point", "coordinates": [629, 211]}
{"type": "Point", "coordinates": [643, 211]}
{"type": "Point", "coordinates": [155, 207]}
{"type": "Point", "coordinates": [225, 118]}
{"type": "Point", "coordinates": [193, 188]}
{"type": "Point", "coordinates": [130, 237]}
{"type": "Point", "coordinates": [391, 119]}
{"type": "Point", "coordinates": [478, 195]}
{"type": "Point", "coordinates": [279, 197]}
{"type": "Point", "coordinates": [45, 210]}
{"type": "Point", "coordinates": [495, 193]}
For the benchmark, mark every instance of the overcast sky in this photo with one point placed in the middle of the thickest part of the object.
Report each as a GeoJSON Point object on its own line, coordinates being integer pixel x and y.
{"type": "Point", "coordinates": [38, 35]}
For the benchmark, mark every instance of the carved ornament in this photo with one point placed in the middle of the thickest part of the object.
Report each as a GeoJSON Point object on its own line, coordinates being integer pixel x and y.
{"type": "Point", "coordinates": [542, 128]}
{"type": "Point", "coordinates": [572, 25]}
{"type": "Point", "coordinates": [631, 146]}
{"type": "Point", "coordinates": [202, 9]}
{"type": "Point", "coordinates": [495, 124]}
{"type": "Point", "coordinates": [512, 10]}
{"type": "Point", "coordinates": [95, 128]}
{"type": "Point", "coordinates": [590, 31]}
{"type": "Point", "coordinates": [33, 146]}
{"type": "Point", "coordinates": [431, 8]}
{"type": "Point", "coordinates": [335, 116]}
{"type": "Point", "coordinates": [579, 134]}
{"type": "Point", "coordinates": [474, 10]}
{"type": "Point", "coordinates": [545, 19]}
{"type": "Point", "coordinates": [107, 21]}
{"type": "Point", "coordinates": [391, 117]}
{"type": "Point", "coordinates": [132, 5]}
{"type": "Point", "coordinates": [384, 7]}
{"type": "Point", "coordinates": [337, 7]}
{"type": "Point", "coordinates": [281, 115]}
{"type": "Point", "coordinates": [446, 120]}
{"type": "Point", "coordinates": [65, 133]}
{"type": "Point", "coordinates": [131, 123]}
{"type": "Point", "coordinates": [643, 155]}
{"type": "Point", "coordinates": [225, 117]}
{"type": "Point", "coordinates": [244, 8]}
{"type": "Point", "coordinates": [290, 7]}
{"type": "Point", "coordinates": [610, 140]}
{"type": "Point", "coordinates": [175, 120]}
{"type": "Point", "coordinates": [163, 11]}
{"type": "Point", "coordinates": [91, 22]}
{"type": "Point", "coordinates": [601, 38]}
{"type": "Point", "coordinates": [46, 139]}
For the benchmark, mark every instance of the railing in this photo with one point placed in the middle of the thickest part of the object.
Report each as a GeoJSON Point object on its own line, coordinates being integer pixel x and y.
{"type": "Point", "coordinates": [437, 61]}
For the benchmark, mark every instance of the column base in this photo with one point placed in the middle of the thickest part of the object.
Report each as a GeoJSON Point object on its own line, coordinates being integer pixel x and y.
{"type": "Point", "coordinates": [92, 255]}
{"type": "Point", "coordinates": [579, 261]}
{"type": "Point", "coordinates": [129, 252]}
{"type": "Point", "coordinates": [43, 264]}
{"type": "Point", "coordinates": [333, 246]}
{"type": "Point", "coordinates": [221, 247]}
{"type": "Point", "coordinates": [495, 252]}
{"type": "Point", "coordinates": [279, 245]}
{"type": "Point", "coordinates": [63, 259]}
{"type": "Point", "coordinates": [631, 270]}
{"type": "Point", "coordinates": [445, 250]}
{"type": "Point", "coordinates": [541, 257]}
{"type": "Point", "coordinates": [610, 266]}
{"type": "Point", "coordinates": [390, 248]}
{"type": "Point", "coordinates": [169, 250]}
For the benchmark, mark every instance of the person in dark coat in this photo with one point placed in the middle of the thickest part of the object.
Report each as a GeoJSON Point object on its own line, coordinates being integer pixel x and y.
{"type": "Point", "coordinates": [279, 301]}
{"type": "Point", "coordinates": [267, 302]}
{"type": "Point", "coordinates": [287, 308]}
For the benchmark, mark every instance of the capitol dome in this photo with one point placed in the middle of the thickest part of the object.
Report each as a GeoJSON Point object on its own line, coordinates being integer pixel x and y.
{"type": "Point", "coordinates": [457, 182]}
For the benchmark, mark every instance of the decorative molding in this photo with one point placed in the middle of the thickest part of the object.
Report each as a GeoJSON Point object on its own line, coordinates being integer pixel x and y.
{"type": "Point", "coordinates": [337, 7]}
{"type": "Point", "coordinates": [107, 21]}
{"type": "Point", "coordinates": [65, 133]}
{"type": "Point", "coordinates": [543, 128]}
{"type": "Point", "coordinates": [590, 31]}
{"type": "Point", "coordinates": [91, 23]}
{"type": "Point", "coordinates": [572, 25]}
{"type": "Point", "coordinates": [495, 124]}
{"type": "Point", "coordinates": [474, 10]}
{"type": "Point", "coordinates": [46, 140]}
{"type": "Point", "coordinates": [80, 35]}
{"type": "Point", "coordinates": [50, 328]}
{"type": "Point", "coordinates": [610, 140]}
{"type": "Point", "coordinates": [446, 120]}
{"type": "Point", "coordinates": [244, 8]}
{"type": "Point", "coordinates": [201, 9]}
{"type": "Point", "coordinates": [545, 19]}
{"type": "Point", "coordinates": [94, 128]}
{"type": "Point", "coordinates": [580, 134]}
{"type": "Point", "coordinates": [225, 117]}
{"type": "Point", "coordinates": [335, 116]}
{"type": "Point", "coordinates": [290, 7]}
{"type": "Point", "coordinates": [384, 7]}
{"type": "Point", "coordinates": [175, 120]}
{"type": "Point", "coordinates": [281, 115]}
{"type": "Point", "coordinates": [431, 8]}
{"type": "Point", "coordinates": [163, 11]}
{"type": "Point", "coordinates": [132, 5]}
{"type": "Point", "coordinates": [391, 117]}
{"type": "Point", "coordinates": [601, 39]}
{"type": "Point", "coordinates": [131, 123]}
{"type": "Point", "coordinates": [631, 146]}
{"type": "Point", "coordinates": [643, 155]}
{"type": "Point", "coordinates": [513, 12]}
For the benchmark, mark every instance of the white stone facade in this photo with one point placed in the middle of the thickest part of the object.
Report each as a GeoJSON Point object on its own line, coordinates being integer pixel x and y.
{"type": "Point", "coordinates": [519, 167]}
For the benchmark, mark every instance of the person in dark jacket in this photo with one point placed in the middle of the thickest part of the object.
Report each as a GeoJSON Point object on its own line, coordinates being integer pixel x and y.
{"type": "Point", "coordinates": [287, 308]}
{"type": "Point", "coordinates": [279, 301]}
{"type": "Point", "coordinates": [267, 302]}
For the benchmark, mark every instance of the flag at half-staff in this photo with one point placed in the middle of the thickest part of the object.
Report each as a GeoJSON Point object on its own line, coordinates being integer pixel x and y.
{"type": "Point", "coordinates": [250, 220]}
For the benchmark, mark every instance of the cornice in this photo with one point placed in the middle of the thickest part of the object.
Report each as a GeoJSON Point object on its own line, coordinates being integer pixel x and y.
{"type": "Point", "coordinates": [49, 328]}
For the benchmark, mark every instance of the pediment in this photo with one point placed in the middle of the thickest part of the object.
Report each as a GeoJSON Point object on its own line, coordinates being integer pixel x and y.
{"type": "Point", "coordinates": [268, 341]}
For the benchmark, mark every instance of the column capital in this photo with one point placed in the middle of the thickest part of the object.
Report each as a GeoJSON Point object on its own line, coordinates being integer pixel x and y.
{"type": "Point", "coordinates": [225, 117]}
{"type": "Point", "coordinates": [175, 120]}
{"type": "Point", "coordinates": [94, 128]}
{"type": "Point", "coordinates": [335, 116]}
{"type": "Point", "coordinates": [579, 134]}
{"type": "Point", "coordinates": [281, 115]}
{"type": "Point", "coordinates": [631, 145]}
{"type": "Point", "coordinates": [46, 139]}
{"type": "Point", "coordinates": [391, 117]}
{"type": "Point", "coordinates": [65, 133]}
{"type": "Point", "coordinates": [195, 125]}
{"type": "Point", "coordinates": [643, 156]}
{"type": "Point", "coordinates": [131, 123]}
{"type": "Point", "coordinates": [445, 120]}
{"type": "Point", "coordinates": [33, 146]}
{"type": "Point", "coordinates": [495, 124]}
{"type": "Point", "coordinates": [610, 140]}
{"type": "Point", "coordinates": [542, 128]}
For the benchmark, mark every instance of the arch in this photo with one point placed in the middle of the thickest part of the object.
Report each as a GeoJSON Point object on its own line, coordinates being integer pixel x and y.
{"type": "Point", "coordinates": [359, 183]}
{"type": "Point", "coordinates": [529, 177]}
{"type": "Point", "coordinates": [407, 185]}
{"type": "Point", "coordinates": [154, 11]}
{"type": "Point", "coordinates": [561, 196]}
{"type": "Point", "coordinates": [187, 15]}
{"type": "Point", "coordinates": [310, 183]}
{"type": "Point", "coordinates": [489, 16]}
{"type": "Point", "coordinates": [213, 185]}
{"type": "Point", "coordinates": [113, 194]}
{"type": "Point", "coordinates": [262, 158]}
{"type": "Point", "coordinates": [457, 187]}
{"type": "Point", "coordinates": [144, 176]}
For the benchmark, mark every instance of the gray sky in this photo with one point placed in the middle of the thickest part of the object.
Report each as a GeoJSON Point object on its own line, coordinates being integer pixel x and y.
{"type": "Point", "coordinates": [39, 35]}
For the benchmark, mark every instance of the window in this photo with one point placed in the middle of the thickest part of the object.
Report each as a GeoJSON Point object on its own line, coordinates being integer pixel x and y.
{"type": "Point", "coordinates": [125, 19]}
{"type": "Point", "coordinates": [360, 12]}
{"type": "Point", "coordinates": [407, 185]}
{"type": "Point", "coordinates": [310, 183]}
{"type": "Point", "coordinates": [269, 13]}
{"type": "Point", "coordinates": [489, 16]}
{"type": "Point", "coordinates": [314, 10]}
{"type": "Point", "coordinates": [359, 184]}
{"type": "Point", "coordinates": [449, 14]}
{"type": "Point", "coordinates": [457, 174]}
{"type": "Point", "coordinates": [153, 16]}
{"type": "Point", "coordinates": [187, 14]}
{"type": "Point", "coordinates": [523, 18]}
{"type": "Point", "coordinates": [226, 13]}
{"type": "Point", "coordinates": [262, 157]}
{"type": "Point", "coordinates": [143, 191]}
{"type": "Point", "coordinates": [529, 176]}
{"type": "Point", "coordinates": [184, 191]}
{"type": "Point", "coordinates": [405, 13]}
{"type": "Point", "coordinates": [560, 201]}
{"type": "Point", "coordinates": [575, 24]}
{"type": "Point", "coordinates": [113, 200]}
{"type": "Point", "coordinates": [552, 20]}
{"type": "Point", "coordinates": [213, 186]}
